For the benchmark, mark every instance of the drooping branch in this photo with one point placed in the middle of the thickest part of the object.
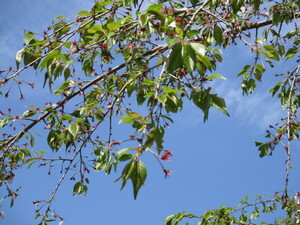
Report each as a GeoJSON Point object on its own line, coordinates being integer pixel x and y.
{"type": "Point", "coordinates": [8, 143]}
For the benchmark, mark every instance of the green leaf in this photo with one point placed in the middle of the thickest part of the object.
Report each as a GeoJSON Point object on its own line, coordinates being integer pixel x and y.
{"type": "Point", "coordinates": [121, 155]}
{"type": "Point", "coordinates": [124, 157]}
{"type": "Point", "coordinates": [171, 90]}
{"type": "Point", "coordinates": [236, 5]}
{"type": "Point", "coordinates": [138, 177]}
{"type": "Point", "coordinates": [168, 219]}
{"type": "Point", "coordinates": [148, 82]}
{"type": "Point", "coordinates": [290, 53]}
{"type": "Point", "coordinates": [189, 58]}
{"type": "Point", "coordinates": [171, 41]}
{"type": "Point", "coordinates": [53, 54]}
{"type": "Point", "coordinates": [50, 220]}
{"type": "Point", "coordinates": [83, 13]}
{"type": "Point", "coordinates": [67, 73]}
{"type": "Point", "coordinates": [244, 70]}
{"type": "Point", "coordinates": [264, 149]}
{"type": "Point", "coordinates": [3, 122]}
{"type": "Point", "coordinates": [76, 188]}
{"type": "Point", "coordinates": [162, 99]}
{"type": "Point", "coordinates": [73, 129]}
{"type": "Point", "coordinates": [143, 20]}
{"type": "Point", "coordinates": [274, 89]}
{"type": "Point", "coordinates": [192, 33]}
{"type": "Point", "coordinates": [126, 173]}
{"type": "Point", "coordinates": [219, 103]}
{"type": "Point", "coordinates": [259, 70]}
{"type": "Point", "coordinates": [122, 151]}
{"type": "Point", "coordinates": [158, 136]}
{"type": "Point", "coordinates": [80, 188]}
{"type": "Point", "coordinates": [130, 117]}
{"type": "Point", "coordinates": [218, 35]}
{"type": "Point", "coordinates": [202, 100]}
{"type": "Point", "coordinates": [154, 9]}
{"type": "Point", "coordinates": [248, 86]}
{"type": "Point", "coordinates": [199, 48]}
{"type": "Point", "coordinates": [19, 56]}
{"type": "Point", "coordinates": [256, 3]}
{"type": "Point", "coordinates": [113, 26]}
{"type": "Point", "coordinates": [216, 76]}
{"type": "Point", "coordinates": [194, 2]}
{"type": "Point", "coordinates": [175, 60]}
{"type": "Point", "coordinates": [66, 117]}
{"type": "Point", "coordinates": [271, 52]}
{"type": "Point", "coordinates": [32, 141]}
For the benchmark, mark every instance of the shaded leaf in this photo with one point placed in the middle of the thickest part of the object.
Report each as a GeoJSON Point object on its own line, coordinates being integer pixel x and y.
{"type": "Point", "coordinates": [175, 60]}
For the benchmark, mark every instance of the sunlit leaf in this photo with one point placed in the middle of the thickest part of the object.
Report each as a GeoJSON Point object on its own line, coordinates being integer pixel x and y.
{"type": "Point", "coordinates": [74, 129]}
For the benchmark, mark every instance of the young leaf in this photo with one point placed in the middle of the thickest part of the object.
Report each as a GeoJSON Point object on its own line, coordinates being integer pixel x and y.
{"type": "Point", "coordinates": [19, 56]}
{"type": "Point", "coordinates": [130, 117]}
{"type": "Point", "coordinates": [216, 76]}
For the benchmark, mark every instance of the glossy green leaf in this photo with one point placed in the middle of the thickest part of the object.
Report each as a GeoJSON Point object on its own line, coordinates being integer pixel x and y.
{"type": "Point", "coordinates": [199, 48]}
{"type": "Point", "coordinates": [74, 129]}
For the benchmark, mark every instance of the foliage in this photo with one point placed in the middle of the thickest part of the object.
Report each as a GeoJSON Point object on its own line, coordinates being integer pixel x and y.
{"type": "Point", "coordinates": [125, 54]}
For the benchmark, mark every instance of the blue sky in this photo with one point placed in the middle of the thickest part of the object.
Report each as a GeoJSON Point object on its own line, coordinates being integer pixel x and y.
{"type": "Point", "coordinates": [214, 164]}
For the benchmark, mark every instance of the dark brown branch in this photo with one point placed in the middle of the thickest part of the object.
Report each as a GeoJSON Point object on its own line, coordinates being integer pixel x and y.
{"type": "Point", "coordinates": [255, 25]}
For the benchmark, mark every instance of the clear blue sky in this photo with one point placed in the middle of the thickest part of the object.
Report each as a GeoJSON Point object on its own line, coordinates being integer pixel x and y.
{"type": "Point", "coordinates": [214, 164]}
